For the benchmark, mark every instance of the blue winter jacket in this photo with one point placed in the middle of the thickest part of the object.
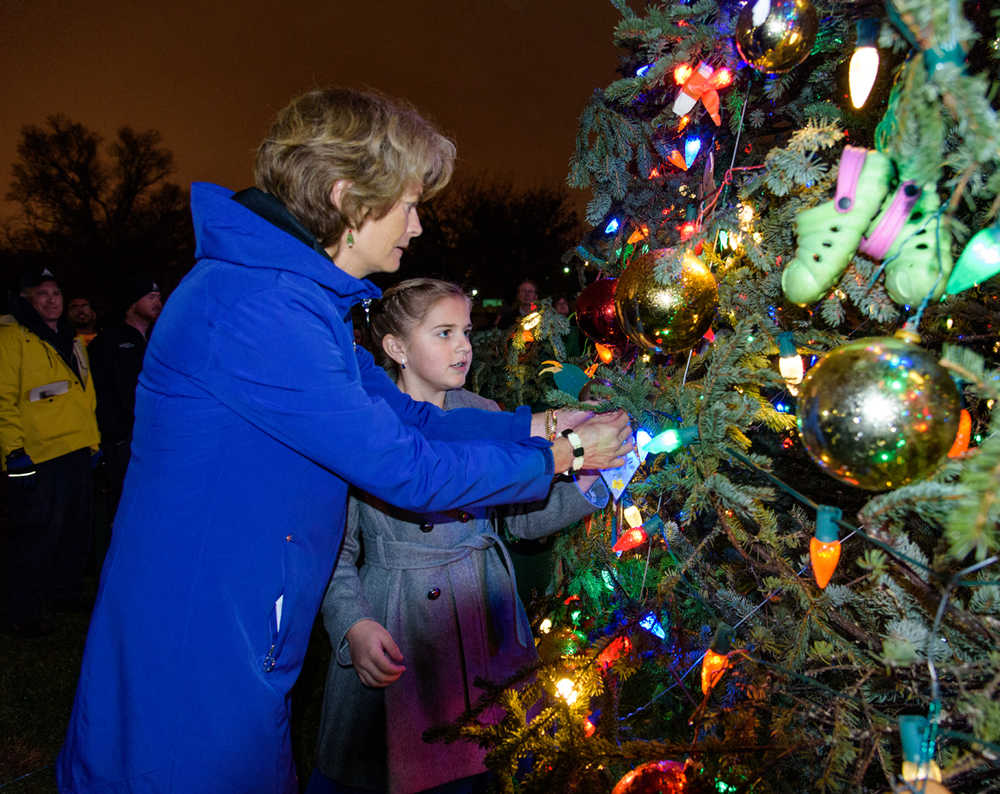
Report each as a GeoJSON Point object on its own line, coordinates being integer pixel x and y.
{"type": "Point", "coordinates": [253, 413]}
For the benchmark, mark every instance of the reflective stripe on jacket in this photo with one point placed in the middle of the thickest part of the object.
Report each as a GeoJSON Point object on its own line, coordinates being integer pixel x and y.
{"type": "Point", "coordinates": [44, 406]}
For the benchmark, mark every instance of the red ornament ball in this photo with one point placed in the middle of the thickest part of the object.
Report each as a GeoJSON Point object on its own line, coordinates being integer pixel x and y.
{"type": "Point", "coordinates": [653, 777]}
{"type": "Point", "coordinates": [596, 315]}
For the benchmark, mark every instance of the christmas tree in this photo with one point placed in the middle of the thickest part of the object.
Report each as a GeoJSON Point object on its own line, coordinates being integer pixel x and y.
{"type": "Point", "coordinates": [798, 589]}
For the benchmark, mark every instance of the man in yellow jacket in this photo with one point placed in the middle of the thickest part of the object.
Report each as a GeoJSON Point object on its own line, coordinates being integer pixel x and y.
{"type": "Point", "coordinates": [48, 435]}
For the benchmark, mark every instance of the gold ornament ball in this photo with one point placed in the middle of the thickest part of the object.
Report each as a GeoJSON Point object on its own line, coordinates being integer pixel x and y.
{"type": "Point", "coordinates": [776, 35]}
{"type": "Point", "coordinates": [878, 413]}
{"type": "Point", "coordinates": [666, 300]}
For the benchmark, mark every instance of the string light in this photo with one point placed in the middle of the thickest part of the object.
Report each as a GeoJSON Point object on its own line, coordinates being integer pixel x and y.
{"type": "Point", "coordinates": [629, 540]}
{"type": "Point", "coordinates": [963, 436]}
{"type": "Point", "coordinates": [668, 441]}
{"type": "Point", "coordinates": [641, 233]}
{"type": "Point", "coordinates": [915, 733]}
{"type": "Point", "coordinates": [692, 145]}
{"type": "Point", "coordinates": [677, 159]}
{"type": "Point", "coordinates": [702, 83]}
{"type": "Point", "coordinates": [824, 546]}
{"type": "Point", "coordinates": [651, 623]}
{"type": "Point", "coordinates": [567, 690]}
{"type": "Point", "coordinates": [716, 659]}
{"type": "Point", "coordinates": [864, 62]}
{"type": "Point", "coordinates": [618, 647]}
{"type": "Point", "coordinates": [529, 322]}
{"type": "Point", "coordinates": [979, 261]}
{"type": "Point", "coordinates": [789, 362]}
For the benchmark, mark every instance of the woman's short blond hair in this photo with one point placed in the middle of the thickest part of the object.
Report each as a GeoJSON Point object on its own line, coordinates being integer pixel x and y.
{"type": "Point", "coordinates": [381, 146]}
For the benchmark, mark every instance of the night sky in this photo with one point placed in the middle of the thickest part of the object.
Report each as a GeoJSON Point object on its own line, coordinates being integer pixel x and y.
{"type": "Point", "coordinates": [506, 79]}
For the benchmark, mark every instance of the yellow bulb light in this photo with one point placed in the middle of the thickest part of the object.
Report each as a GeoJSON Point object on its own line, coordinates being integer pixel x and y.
{"type": "Point", "coordinates": [566, 690]}
{"type": "Point", "coordinates": [861, 74]}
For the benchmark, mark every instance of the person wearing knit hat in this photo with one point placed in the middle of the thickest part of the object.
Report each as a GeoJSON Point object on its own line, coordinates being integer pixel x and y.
{"type": "Point", "coordinates": [116, 355]}
{"type": "Point", "coordinates": [48, 436]}
{"type": "Point", "coordinates": [139, 296]}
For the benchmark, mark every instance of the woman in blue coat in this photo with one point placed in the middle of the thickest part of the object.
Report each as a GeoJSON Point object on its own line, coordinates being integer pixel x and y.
{"type": "Point", "coordinates": [254, 412]}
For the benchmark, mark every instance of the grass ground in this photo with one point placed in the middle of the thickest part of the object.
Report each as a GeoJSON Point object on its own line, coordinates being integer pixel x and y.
{"type": "Point", "coordinates": [37, 682]}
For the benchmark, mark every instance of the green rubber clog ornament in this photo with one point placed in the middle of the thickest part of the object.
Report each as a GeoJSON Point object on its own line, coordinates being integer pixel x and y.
{"type": "Point", "coordinates": [829, 234]}
{"type": "Point", "coordinates": [919, 262]}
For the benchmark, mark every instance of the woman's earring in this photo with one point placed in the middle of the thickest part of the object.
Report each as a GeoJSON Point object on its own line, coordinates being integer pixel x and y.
{"type": "Point", "coordinates": [350, 239]}
{"type": "Point", "coordinates": [402, 364]}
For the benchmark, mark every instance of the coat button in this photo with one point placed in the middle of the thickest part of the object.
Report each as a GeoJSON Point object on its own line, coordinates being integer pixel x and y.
{"type": "Point", "coordinates": [426, 526]}
{"type": "Point", "coordinates": [434, 593]}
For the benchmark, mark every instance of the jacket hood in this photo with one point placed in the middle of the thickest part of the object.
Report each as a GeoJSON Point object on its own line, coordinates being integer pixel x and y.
{"type": "Point", "coordinates": [227, 230]}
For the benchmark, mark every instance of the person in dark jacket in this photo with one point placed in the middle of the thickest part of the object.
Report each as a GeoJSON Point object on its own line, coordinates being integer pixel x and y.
{"type": "Point", "coordinates": [116, 355]}
{"type": "Point", "coordinates": [254, 412]}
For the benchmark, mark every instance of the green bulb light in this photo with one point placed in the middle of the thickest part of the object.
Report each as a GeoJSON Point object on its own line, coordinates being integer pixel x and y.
{"type": "Point", "coordinates": [669, 440]}
{"type": "Point", "coordinates": [979, 261]}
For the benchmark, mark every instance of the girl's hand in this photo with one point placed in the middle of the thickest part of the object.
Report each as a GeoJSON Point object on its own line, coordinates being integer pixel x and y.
{"type": "Point", "coordinates": [376, 657]}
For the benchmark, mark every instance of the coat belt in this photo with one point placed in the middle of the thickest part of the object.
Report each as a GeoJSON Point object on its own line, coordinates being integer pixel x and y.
{"type": "Point", "coordinates": [400, 555]}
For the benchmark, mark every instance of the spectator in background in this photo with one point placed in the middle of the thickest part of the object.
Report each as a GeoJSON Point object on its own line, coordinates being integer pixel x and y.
{"type": "Point", "coordinates": [116, 357]}
{"type": "Point", "coordinates": [572, 341]}
{"type": "Point", "coordinates": [48, 435]}
{"type": "Point", "coordinates": [525, 302]}
{"type": "Point", "coordinates": [82, 318]}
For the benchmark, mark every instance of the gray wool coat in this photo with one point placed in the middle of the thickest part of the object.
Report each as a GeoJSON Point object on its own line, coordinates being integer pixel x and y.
{"type": "Point", "coordinates": [445, 591]}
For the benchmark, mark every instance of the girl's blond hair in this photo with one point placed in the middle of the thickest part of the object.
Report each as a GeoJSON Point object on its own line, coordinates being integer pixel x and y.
{"type": "Point", "coordinates": [401, 308]}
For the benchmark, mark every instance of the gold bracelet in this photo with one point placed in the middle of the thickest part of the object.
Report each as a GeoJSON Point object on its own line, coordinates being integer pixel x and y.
{"type": "Point", "coordinates": [551, 424]}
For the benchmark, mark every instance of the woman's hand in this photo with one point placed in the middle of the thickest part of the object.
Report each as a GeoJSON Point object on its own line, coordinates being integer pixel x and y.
{"type": "Point", "coordinates": [569, 418]}
{"type": "Point", "coordinates": [606, 439]}
{"type": "Point", "coordinates": [375, 655]}
{"type": "Point", "coordinates": [565, 418]}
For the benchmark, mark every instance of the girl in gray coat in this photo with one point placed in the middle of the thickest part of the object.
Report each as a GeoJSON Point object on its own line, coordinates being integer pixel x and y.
{"type": "Point", "coordinates": [434, 604]}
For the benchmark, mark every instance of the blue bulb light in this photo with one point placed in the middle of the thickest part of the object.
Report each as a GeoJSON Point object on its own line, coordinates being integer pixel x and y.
{"type": "Point", "coordinates": [612, 226]}
{"type": "Point", "coordinates": [691, 148]}
{"type": "Point", "coordinates": [650, 623]}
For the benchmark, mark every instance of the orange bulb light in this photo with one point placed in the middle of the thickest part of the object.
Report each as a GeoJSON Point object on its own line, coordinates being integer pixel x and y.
{"type": "Point", "coordinates": [824, 546]}
{"type": "Point", "coordinates": [962, 437]}
{"type": "Point", "coordinates": [712, 667]}
{"type": "Point", "coordinates": [825, 557]}
{"type": "Point", "coordinates": [604, 353]}
{"type": "Point", "coordinates": [722, 78]}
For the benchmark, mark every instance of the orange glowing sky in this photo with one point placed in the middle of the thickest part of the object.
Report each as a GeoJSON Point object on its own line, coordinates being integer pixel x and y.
{"type": "Point", "coordinates": [506, 79]}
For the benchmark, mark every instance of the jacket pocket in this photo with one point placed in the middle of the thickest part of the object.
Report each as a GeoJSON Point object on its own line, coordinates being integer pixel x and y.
{"type": "Point", "coordinates": [283, 615]}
